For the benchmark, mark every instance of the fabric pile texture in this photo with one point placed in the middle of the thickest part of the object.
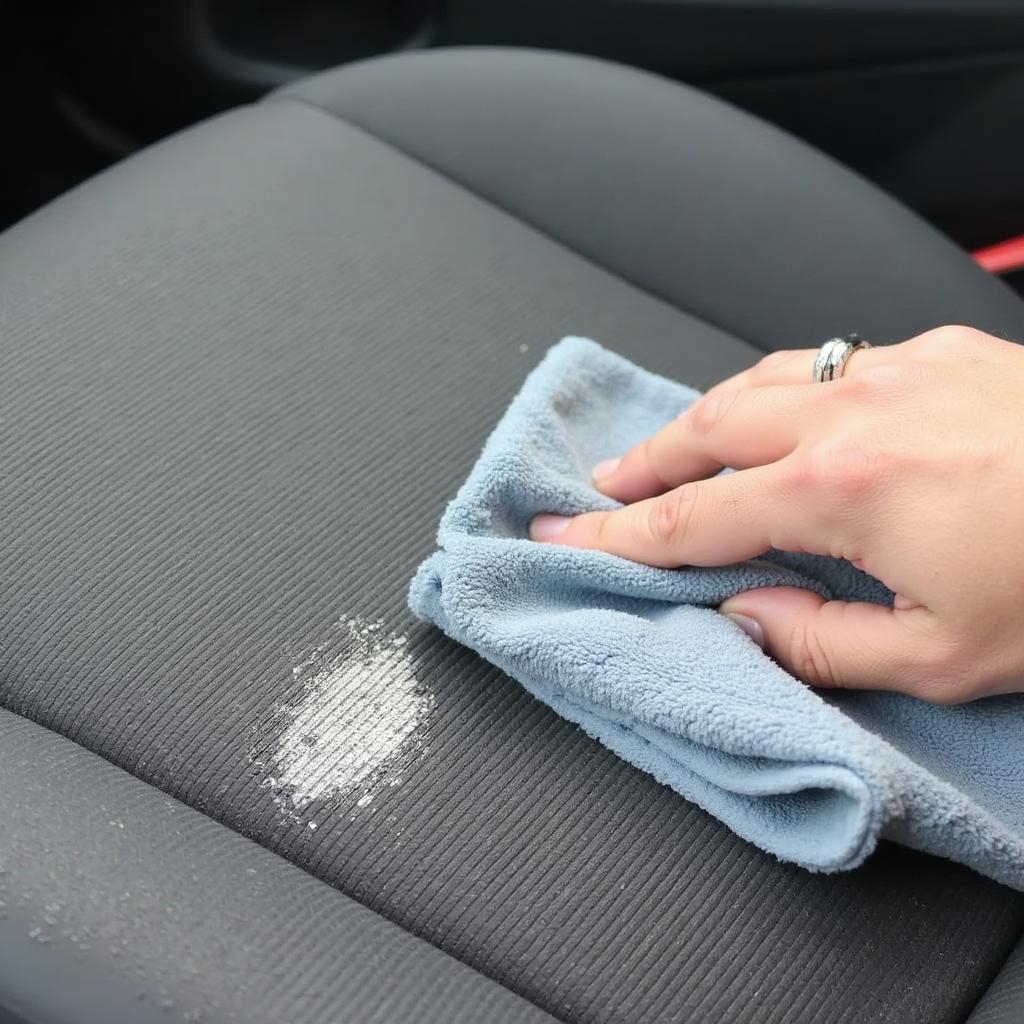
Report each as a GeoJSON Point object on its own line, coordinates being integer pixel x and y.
{"type": "Point", "coordinates": [640, 658]}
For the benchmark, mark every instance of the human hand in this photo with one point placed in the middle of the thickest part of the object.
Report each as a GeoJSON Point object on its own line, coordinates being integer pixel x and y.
{"type": "Point", "coordinates": [911, 466]}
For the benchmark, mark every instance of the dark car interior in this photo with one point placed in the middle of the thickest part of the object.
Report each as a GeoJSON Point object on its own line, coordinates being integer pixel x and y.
{"type": "Point", "coordinates": [270, 271]}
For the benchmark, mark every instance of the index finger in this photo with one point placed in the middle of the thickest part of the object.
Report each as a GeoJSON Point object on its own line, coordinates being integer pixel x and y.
{"type": "Point", "coordinates": [719, 521]}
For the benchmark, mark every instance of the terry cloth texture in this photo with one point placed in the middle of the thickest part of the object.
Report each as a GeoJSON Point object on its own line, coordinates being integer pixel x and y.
{"type": "Point", "coordinates": [640, 659]}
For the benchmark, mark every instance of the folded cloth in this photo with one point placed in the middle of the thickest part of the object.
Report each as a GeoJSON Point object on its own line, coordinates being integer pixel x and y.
{"type": "Point", "coordinates": [641, 660]}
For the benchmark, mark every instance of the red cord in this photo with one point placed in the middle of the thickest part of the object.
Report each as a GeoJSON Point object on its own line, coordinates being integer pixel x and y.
{"type": "Point", "coordinates": [1003, 257]}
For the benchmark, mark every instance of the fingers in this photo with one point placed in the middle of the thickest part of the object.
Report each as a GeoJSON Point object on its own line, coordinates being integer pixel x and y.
{"type": "Point", "coordinates": [841, 644]}
{"type": "Point", "coordinates": [756, 417]}
{"type": "Point", "coordinates": [795, 366]}
{"type": "Point", "coordinates": [729, 428]}
{"type": "Point", "coordinates": [787, 366]}
{"type": "Point", "coordinates": [709, 522]}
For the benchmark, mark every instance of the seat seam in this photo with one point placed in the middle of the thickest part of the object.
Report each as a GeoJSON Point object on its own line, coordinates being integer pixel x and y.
{"type": "Point", "coordinates": [998, 973]}
{"type": "Point", "coordinates": [345, 119]}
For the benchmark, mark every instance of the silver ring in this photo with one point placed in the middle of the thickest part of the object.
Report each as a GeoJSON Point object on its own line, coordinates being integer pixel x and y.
{"type": "Point", "coordinates": [833, 357]}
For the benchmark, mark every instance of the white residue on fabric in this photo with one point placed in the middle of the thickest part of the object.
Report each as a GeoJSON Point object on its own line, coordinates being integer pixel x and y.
{"type": "Point", "coordinates": [357, 725]}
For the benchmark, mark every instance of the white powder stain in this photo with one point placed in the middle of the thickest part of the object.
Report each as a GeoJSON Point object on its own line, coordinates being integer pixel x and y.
{"type": "Point", "coordinates": [358, 724]}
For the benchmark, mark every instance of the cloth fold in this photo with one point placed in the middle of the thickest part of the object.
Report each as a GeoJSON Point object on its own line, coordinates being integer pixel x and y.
{"type": "Point", "coordinates": [641, 660]}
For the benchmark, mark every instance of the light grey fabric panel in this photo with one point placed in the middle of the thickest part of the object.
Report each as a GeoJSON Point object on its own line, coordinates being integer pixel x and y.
{"type": "Point", "coordinates": [242, 375]}
{"type": "Point", "coordinates": [688, 197]}
{"type": "Point", "coordinates": [1003, 1003]}
{"type": "Point", "coordinates": [121, 904]}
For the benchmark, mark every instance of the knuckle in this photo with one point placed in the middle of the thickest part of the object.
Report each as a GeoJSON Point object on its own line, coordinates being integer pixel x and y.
{"type": "Point", "coordinates": [773, 360]}
{"type": "Point", "coordinates": [601, 531]}
{"type": "Point", "coordinates": [810, 657]}
{"type": "Point", "coordinates": [883, 383]}
{"type": "Point", "coordinates": [670, 518]}
{"type": "Point", "coordinates": [766, 368]}
{"type": "Point", "coordinates": [709, 411]}
{"type": "Point", "coordinates": [845, 468]}
{"type": "Point", "coordinates": [950, 338]}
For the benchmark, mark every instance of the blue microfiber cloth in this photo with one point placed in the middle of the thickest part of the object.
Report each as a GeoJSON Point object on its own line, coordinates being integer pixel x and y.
{"type": "Point", "coordinates": [641, 660]}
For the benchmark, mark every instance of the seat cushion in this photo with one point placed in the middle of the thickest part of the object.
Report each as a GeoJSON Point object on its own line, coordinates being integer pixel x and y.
{"type": "Point", "coordinates": [690, 199]}
{"type": "Point", "coordinates": [155, 913]}
{"type": "Point", "coordinates": [243, 372]}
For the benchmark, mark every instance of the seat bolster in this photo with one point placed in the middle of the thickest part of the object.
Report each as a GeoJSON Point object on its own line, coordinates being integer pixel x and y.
{"type": "Point", "coordinates": [697, 202]}
{"type": "Point", "coordinates": [1003, 1001]}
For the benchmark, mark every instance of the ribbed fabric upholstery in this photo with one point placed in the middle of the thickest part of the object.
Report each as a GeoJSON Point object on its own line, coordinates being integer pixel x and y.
{"type": "Point", "coordinates": [242, 374]}
{"type": "Point", "coordinates": [160, 914]}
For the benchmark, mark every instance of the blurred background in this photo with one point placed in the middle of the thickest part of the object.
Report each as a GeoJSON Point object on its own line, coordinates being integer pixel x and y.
{"type": "Point", "coordinates": [926, 97]}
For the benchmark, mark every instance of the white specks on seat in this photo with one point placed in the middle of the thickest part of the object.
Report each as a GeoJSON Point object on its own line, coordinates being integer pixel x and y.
{"type": "Point", "coordinates": [357, 725]}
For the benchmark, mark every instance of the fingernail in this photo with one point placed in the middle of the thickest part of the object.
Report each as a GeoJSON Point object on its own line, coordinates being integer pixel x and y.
{"type": "Point", "coordinates": [544, 526]}
{"type": "Point", "coordinates": [605, 468]}
{"type": "Point", "coordinates": [749, 626]}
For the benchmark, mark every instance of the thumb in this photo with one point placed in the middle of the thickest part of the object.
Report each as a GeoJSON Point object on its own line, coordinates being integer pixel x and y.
{"type": "Point", "coordinates": [837, 643]}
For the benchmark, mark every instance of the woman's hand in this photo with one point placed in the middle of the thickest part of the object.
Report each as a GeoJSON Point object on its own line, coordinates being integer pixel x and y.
{"type": "Point", "coordinates": [911, 466]}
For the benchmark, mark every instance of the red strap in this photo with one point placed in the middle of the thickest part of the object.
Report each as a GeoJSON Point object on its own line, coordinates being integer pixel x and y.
{"type": "Point", "coordinates": [1002, 257]}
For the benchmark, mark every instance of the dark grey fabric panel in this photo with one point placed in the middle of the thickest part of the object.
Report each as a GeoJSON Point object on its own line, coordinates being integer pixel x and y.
{"type": "Point", "coordinates": [243, 373]}
{"type": "Point", "coordinates": [120, 904]}
{"type": "Point", "coordinates": [1003, 1003]}
{"type": "Point", "coordinates": [706, 206]}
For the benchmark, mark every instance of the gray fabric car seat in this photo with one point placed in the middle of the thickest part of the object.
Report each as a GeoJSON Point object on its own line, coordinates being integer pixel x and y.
{"type": "Point", "coordinates": [243, 371]}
